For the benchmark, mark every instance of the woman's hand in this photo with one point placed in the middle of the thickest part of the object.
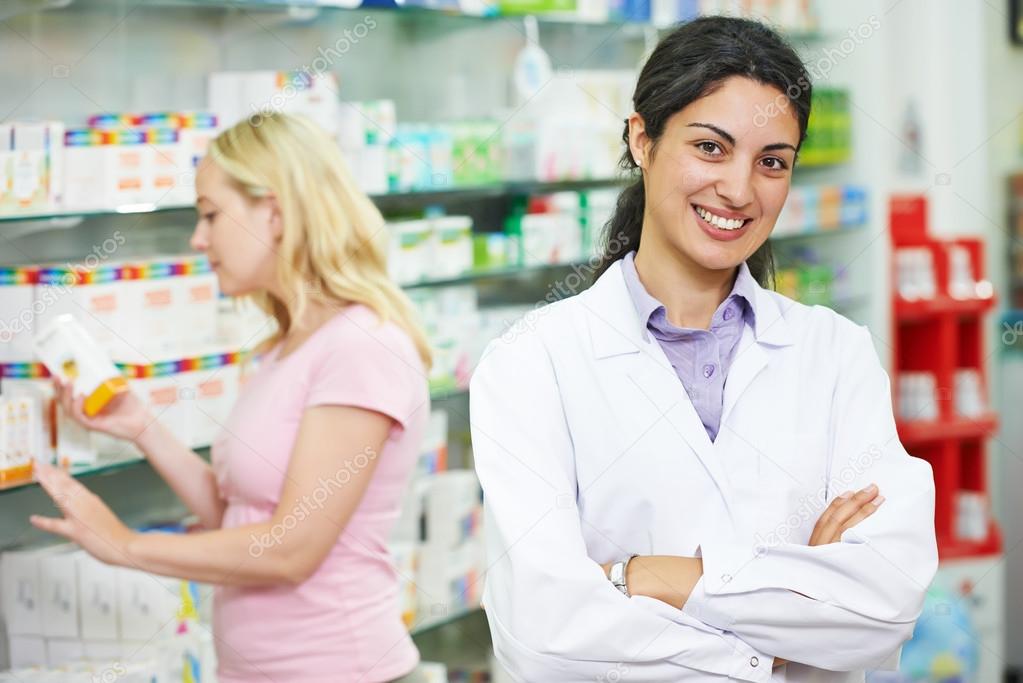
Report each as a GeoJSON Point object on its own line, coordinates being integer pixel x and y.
{"type": "Point", "coordinates": [125, 417]}
{"type": "Point", "coordinates": [87, 520]}
{"type": "Point", "coordinates": [845, 512]}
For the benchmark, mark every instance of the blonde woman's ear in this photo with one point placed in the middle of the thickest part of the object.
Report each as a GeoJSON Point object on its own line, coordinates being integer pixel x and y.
{"type": "Point", "coordinates": [276, 223]}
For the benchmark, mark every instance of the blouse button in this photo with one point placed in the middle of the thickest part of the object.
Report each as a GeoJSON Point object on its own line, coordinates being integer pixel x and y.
{"type": "Point", "coordinates": [708, 370]}
{"type": "Point", "coordinates": [754, 661]}
{"type": "Point", "coordinates": [729, 312]}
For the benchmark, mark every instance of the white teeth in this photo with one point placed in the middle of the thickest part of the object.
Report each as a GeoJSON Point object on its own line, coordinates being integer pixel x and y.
{"type": "Point", "coordinates": [718, 221]}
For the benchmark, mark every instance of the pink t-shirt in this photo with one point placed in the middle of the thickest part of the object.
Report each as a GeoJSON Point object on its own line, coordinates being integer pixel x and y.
{"type": "Point", "coordinates": [344, 623]}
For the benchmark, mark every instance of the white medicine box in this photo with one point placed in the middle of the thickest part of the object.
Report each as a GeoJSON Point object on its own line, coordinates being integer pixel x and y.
{"type": "Point", "coordinates": [169, 400]}
{"type": "Point", "coordinates": [17, 293]}
{"type": "Point", "coordinates": [36, 161]}
{"type": "Point", "coordinates": [27, 651]}
{"type": "Point", "coordinates": [452, 246]}
{"type": "Point", "coordinates": [146, 604]}
{"type": "Point", "coordinates": [209, 395]}
{"type": "Point", "coordinates": [410, 251]}
{"type": "Point", "coordinates": [101, 306]}
{"type": "Point", "coordinates": [61, 652]}
{"type": "Point", "coordinates": [197, 311]}
{"type": "Point", "coordinates": [21, 593]}
{"type": "Point", "coordinates": [452, 508]}
{"type": "Point", "coordinates": [97, 594]}
{"type": "Point", "coordinates": [59, 595]}
{"type": "Point", "coordinates": [156, 299]}
{"type": "Point", "coordinates": [23, 581]}
{"type": "Point", "coordinates": [106, 169]}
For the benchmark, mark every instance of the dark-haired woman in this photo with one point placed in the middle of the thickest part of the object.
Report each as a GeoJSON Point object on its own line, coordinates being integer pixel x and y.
{"type": "Point", "coordinates": [683, 470]}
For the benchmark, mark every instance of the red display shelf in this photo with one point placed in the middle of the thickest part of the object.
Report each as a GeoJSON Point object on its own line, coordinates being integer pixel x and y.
{"type": "Point", "coordinates": [942, 305]}
{"type": "Point", "coordinates": [954, 548]}
{"type": "Point", "coordinates": [939, 337]}
{"type": "Point", "coordinates": [929, 431]}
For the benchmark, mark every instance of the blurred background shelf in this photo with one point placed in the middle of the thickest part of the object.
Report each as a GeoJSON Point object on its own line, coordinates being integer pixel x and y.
{"type": "Point", "coordinates": [392, 201]}
{"type": "Point", "coordinates": [914, 432]}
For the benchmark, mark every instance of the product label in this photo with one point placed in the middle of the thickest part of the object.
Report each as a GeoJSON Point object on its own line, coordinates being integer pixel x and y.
{"type": "Point", "coordinates": [5, 179]}
{"type": "Point", "coordinates": [200, 293]}
{"type": "Point", "coordinates": [129, 159]}
{"type": "Point", "coordinates": [28, 173]}
{"type": "Point", "coordinates": [158, 298]}
{"type": "Point", "coordinates": [211, 388]}
{"type": "Point", "coordinates": [104, 303]}
{"type": "Point", "coordinates": [164, 397]}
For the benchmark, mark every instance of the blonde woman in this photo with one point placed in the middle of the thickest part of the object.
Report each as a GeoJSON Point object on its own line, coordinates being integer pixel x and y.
{"type": "Point", "coordinates": [308, 472]}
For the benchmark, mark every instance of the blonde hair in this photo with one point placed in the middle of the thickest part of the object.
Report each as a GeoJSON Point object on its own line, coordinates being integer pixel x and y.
{"type": "Point", "coordinates": [333, 236]}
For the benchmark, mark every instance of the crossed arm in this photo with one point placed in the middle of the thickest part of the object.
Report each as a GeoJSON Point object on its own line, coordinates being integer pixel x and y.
{"type": "Point", "coordinates": [555, 616]}
{"type": "Point", "coordinates": [671, 579]}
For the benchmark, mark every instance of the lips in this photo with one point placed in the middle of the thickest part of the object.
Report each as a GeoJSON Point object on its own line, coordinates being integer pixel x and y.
{"type": "Point", "coordinates": [721, 228]}
{"type": "Point", "coordinates": [723, 220]}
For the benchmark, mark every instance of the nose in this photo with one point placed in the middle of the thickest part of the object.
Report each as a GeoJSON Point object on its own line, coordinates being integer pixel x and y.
{"type": "Point", "coordinates": [199, 241]}
{"type": "Point", "coordinates": [734, 185]}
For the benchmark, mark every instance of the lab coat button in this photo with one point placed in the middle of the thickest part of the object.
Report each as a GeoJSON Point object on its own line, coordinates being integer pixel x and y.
{"type": "Point", "coordinates": [725, 578]}
{"type": "Point", "coordinates": [754, 661]}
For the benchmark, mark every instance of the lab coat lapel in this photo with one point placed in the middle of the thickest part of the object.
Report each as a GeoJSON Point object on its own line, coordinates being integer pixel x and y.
{"type": "Point", "coordinates": [770, 330]}
{"type": "Point", "coordinates": [664, 393]}
{"type": "Point", "coordinates": [749, 360]}
{"type": "Point", "coordinates": [649, 382]}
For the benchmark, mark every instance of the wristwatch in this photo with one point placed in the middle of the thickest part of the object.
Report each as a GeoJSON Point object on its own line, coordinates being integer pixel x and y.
{"type": "Point", "coordinates": [618, 573]}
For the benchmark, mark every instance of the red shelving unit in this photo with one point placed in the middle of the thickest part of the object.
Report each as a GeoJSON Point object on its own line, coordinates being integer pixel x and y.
{"type": "Point", "coordinates": [939, 336]}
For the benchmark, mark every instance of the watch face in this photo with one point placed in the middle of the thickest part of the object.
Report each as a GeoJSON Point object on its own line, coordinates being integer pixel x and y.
{"type": "Point", "coordinates": [618, 575]}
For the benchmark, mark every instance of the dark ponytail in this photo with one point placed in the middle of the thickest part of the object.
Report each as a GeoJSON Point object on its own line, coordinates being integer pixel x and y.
{"type": "Point", "coordinates": [689, 63]}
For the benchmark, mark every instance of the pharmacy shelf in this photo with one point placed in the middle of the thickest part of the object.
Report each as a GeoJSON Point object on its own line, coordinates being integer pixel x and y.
{"type": "Point", "coordinates": [915, 432]}
{"type": "Point", "coordinates": [811, 233]}
{"type": "Point", "coordinates": [489, 273]}
{"type": "Point", "coordinates": [431, 623]}
{"type": "Point", "coordinates": [109, 464]}
{"type": "Point", "coordinates": [385, 202]}
{"type": "Point", "coordinates": [446, 390]}
{"type": "Point", "coordinates": [956, 548]}
{"type": "Point", "coordinates": [104, 465]}
{"type": "Point", "coordinates": [419, 198]}
{"type": "Point", "coordinates": [304, 9]}
{"type": "Point", "coordinates": [922, 309]}
{"type": "Point", "coordinates": [817, 158]}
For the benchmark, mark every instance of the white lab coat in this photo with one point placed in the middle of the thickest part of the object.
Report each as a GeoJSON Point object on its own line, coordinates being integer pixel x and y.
{"type": "Point", "coordinates": [589, 450]}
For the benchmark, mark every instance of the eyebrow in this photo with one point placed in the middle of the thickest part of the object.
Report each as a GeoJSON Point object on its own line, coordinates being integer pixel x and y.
{"type": "Point", "coordinates": [731, 138]}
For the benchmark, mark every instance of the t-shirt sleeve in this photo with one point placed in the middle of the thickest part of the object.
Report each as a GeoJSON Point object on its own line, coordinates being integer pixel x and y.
{"type": "Point", "coordinates": [373, 370]}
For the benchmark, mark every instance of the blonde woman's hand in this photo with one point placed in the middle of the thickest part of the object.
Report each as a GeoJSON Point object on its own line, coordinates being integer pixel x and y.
{"type": "Point", "coordinates": [125, 417]}
{"type": "Point", "coordinates": [845, 512]}
{"type": "Point", "coordinates": [86, 519]}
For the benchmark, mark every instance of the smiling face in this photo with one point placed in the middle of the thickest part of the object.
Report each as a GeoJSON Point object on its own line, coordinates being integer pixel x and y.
{"type": "Point", "coordinates": [716, 181]}
{"type": "Point", "coordinates": [237, 232]}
